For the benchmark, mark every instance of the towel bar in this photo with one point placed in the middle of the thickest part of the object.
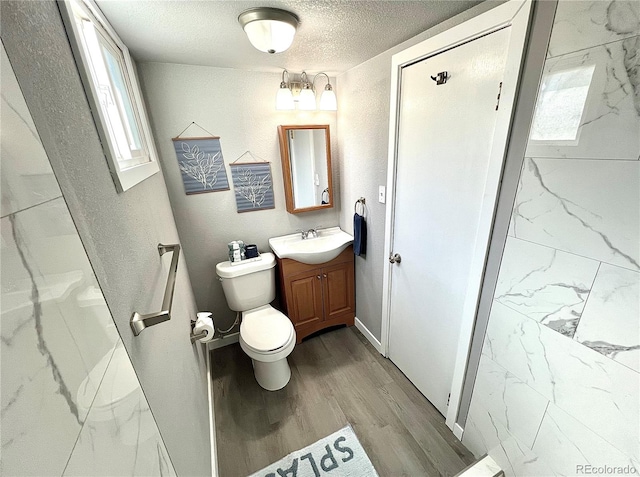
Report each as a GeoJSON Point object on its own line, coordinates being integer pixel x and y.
{"type": "Point", "coordinates": [361, 201]}
{"type": "Point", "coordinates": [140, 322]}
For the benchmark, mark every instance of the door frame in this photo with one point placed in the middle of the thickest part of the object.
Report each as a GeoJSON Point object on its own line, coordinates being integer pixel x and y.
{"type": "Point", "coordinates": [514, 14]}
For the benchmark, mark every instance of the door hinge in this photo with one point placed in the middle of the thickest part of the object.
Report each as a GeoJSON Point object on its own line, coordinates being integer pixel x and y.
{"type": "Point", "coordinates": [498, 98]}
{"type": "Point", "coordinates": [448, 398]}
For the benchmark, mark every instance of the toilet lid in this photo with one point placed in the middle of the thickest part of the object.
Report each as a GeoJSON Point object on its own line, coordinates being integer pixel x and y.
{"type": "Point", "coordinates": [265, 329]}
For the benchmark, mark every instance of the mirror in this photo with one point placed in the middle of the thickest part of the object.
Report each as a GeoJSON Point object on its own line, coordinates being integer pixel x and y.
{"type": "Point", "coordinates": [306, 166]}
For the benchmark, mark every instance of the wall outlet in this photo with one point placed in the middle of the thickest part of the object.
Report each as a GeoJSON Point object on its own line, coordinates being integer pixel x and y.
{"type": "Point", "coordinates": [382, 194]}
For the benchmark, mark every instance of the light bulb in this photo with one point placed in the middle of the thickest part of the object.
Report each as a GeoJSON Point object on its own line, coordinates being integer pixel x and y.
{"type": "Point", "coordinates": [328, 101]}
{"type": "Point", "coordinates": [284, 98]}
{"type": "Point", "coordinates": [307, 99]}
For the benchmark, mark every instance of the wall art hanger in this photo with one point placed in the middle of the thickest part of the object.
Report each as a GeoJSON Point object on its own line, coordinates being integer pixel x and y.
{"type": "Point", "coordinates": [193, 123]}
{"type": "Point", "coordinates": [249, 158]}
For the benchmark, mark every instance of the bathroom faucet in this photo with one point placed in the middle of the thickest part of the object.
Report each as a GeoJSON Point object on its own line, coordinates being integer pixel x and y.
{"type": "Point", "coordinates": [314, 231]}
{"type": "Point", "coordinates": [311, 233]}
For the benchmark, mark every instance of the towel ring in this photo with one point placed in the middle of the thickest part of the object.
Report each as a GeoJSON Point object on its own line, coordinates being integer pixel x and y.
{"type": "Point", "coordinates": [360, 201]}
{"type": "Point", "coordinates": [325, 193]}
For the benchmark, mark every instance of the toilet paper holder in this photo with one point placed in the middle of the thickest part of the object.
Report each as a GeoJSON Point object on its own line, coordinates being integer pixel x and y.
{"type": "Point", "coordinates": [202, 333]}
{"type": "Point", "coordinates": [196, 336]}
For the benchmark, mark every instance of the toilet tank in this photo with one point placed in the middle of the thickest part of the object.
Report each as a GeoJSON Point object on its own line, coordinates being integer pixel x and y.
{"type": "Point", "coordinates": [249, 284]}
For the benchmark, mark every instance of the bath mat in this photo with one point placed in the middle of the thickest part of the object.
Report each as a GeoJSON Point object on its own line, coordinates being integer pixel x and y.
{"type": "Point", "coordinates": [338, 455]}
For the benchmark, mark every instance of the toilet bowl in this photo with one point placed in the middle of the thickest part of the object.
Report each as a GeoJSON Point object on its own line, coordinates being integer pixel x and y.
{"type": "Point", "coordinates": [267, 336]}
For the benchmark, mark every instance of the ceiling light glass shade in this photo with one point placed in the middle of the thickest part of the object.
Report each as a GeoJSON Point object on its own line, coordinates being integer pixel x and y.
{"type": "Point", "coordinates": [328, 100]}
{"type": "Point", "coordinates": [269, 29]}
{"type": "Point", "coordinates": [307, 100]}
{"type": "Point", "coordinates": [284, 98]}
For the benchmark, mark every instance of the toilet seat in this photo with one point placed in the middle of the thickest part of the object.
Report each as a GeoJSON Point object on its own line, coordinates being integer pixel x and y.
{"type": "Point", "coordinates": [265, 330]}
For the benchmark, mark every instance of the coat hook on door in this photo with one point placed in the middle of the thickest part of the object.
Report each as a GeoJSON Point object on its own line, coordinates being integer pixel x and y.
{"type": "Point", "coordinates": [441, 78]}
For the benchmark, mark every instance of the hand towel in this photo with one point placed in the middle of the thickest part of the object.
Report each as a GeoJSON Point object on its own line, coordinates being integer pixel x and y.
{"type": "Point", "coordinates": [359, 235]}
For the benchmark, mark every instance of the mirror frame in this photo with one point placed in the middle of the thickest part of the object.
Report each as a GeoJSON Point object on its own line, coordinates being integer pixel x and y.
{"type": "Point", "coordinates": [286, 167]}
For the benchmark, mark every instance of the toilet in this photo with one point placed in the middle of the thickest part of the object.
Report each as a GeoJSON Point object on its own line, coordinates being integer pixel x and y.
{"type": "Point", "coordinates": [267, 336]}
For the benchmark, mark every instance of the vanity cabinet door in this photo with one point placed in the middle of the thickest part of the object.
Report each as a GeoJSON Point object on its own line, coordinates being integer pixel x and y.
{"type": "Point", "coordinates": [318, 296]}
{"type": "Point", "coordinates": [339, 292]}
{"type": "Point", "coordinates": [304, 298]}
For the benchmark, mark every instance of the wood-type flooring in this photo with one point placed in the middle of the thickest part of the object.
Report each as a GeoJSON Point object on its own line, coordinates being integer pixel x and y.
{"type": "Point", "coordinates": [337, 378]}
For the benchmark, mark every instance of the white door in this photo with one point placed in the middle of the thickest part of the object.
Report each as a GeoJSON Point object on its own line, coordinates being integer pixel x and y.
{"type": "Point", "coordinates": [444, 142]}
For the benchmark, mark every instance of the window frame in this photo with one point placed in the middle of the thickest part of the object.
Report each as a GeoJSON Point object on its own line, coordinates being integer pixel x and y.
{"type": "Point", "coordinates": [124, 176]}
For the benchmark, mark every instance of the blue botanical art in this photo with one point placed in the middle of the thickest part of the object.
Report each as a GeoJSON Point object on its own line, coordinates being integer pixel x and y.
{"type": "Point", "coordinates": [201, 164]}
{"type": "Point", "coordinates": [253, 186]}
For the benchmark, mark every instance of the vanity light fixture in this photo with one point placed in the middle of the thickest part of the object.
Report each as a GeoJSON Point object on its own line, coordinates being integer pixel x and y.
{"type": "Point", "coordinates": [328, 100]}
{"type": "Point", "coordinates": [269, 29]}
{"type": "Point", "coordinates": [307, 98]}
{"type": "Point", "coordinates": [284, 98]}
{"type": "Point", "coordinates": [303, 94]}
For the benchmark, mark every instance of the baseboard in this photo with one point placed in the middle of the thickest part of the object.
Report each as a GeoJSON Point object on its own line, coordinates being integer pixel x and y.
{"type": "Point", "coordinates": [458, 431]}
{"type": "Point", "coordinates": [212, 417]}
{"type": "Point", "coordinates": [221, 342]}
{"type": "Point", "coordinates": [367, 334]}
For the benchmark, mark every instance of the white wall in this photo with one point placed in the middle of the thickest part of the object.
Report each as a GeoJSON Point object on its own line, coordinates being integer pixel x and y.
{"type": "Point", "coordinates": [363, 122]}
{"type": "Point", "coordinates": [558, 383]}
{"type": "Point", "coordinates": [238, 106]}
{"type": "Point", "coordinates": [120, 232]}
{"type": "Point", "coordinates": [62, 358]}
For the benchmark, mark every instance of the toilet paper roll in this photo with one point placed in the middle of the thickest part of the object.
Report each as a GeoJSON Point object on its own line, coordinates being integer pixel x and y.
{"type": "Point", "coordinates": [204, 323]}
{"type": "Point", "coordinates": [204, 314]}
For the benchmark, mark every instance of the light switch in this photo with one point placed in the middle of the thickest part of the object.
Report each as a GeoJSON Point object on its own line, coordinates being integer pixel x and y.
{"type": "Point", "coordinates": [381, 194]}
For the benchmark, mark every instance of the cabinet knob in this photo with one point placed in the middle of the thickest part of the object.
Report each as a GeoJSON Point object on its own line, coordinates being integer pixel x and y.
{"type": "Point", "coordinates": [324, 275]}
{"type": "Point", "coordinates": [319, 277]}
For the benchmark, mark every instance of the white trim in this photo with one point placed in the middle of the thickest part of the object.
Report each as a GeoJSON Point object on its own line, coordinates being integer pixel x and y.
{"type": "Point", "coordinates": [458, 431]}
{"type": "Point", "coordinates": [222, 342]}
{"type": "Point", "coordinates": [367, 334]}
{"type": "Point", "coordinates": [126, 178]}
{"type": "Point", "coordinates": [212, 417]}
{"type": "Point", "coordinates": [514, 14]}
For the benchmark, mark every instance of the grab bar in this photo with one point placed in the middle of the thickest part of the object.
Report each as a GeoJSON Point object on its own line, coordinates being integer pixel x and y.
{"type": "Point", "coordinates": [140, 322]}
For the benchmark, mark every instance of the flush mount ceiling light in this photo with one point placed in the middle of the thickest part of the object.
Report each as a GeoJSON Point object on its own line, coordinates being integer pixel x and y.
{"type": "Point", "coordinates": [269, 29]}
{"type": "Point", "coordinates": [301, 93]}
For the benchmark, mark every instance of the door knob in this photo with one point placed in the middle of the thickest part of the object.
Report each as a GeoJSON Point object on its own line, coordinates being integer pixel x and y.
{"type": "Point", "coordinates": [395, 258]}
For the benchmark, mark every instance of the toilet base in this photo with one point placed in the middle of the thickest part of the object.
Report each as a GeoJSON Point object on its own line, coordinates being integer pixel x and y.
{"type": "Point", "coordinates": [272, 376]}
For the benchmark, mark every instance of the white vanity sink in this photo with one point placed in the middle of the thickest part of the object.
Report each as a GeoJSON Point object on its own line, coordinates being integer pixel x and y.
{"type": "Point", "coordinates": [326, 246]}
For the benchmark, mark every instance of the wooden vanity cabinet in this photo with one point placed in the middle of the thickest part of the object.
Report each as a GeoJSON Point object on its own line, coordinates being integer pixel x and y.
{"type": "Point", "coordinates": [318, 296]}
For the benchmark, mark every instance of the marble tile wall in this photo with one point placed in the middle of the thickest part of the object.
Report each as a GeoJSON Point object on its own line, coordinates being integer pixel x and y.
{"type": "Point", "coordinates": [71, 403]}
{"type": "Point", "coordinates": [558, 386]}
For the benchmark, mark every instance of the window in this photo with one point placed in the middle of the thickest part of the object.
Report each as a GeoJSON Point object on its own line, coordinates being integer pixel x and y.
{"type": "Point", "coordinates": [561, 104]}
{"type": "Point", "coordinates": [109, 79]}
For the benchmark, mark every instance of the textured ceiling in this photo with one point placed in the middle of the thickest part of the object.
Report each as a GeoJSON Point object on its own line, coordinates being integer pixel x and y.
{"type": "Point", "coordinates": [333, 35]}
